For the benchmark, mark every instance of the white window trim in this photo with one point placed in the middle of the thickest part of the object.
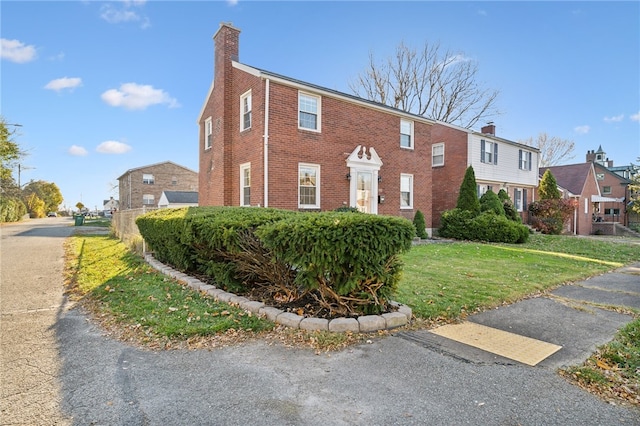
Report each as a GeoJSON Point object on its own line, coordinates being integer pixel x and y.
{"type": "Point", "coordinates": [208, 133]}
{"type": "Point", "coordinates": [246, 95]}
{"type": "Point", "coordinates": [318, 98]}
{"type": "Point", "coordinates": [411, 139]}
{"type": "Point", "coordinates": [148, 180]}
{"type": "Point", "coordinates": [244, 167]}
{"type": "Point", "coordinates": [433, 149]}
{"type": "Point", "coordinates": [317, 169]}
{"type": "Point", "coordinates": [410, 206]}
{"type": "Point", "coordinates": [149, 197]}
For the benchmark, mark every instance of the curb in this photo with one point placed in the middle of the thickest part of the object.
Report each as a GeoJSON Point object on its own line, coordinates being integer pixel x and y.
{"type": "Point", "coordinates": [363, 324]}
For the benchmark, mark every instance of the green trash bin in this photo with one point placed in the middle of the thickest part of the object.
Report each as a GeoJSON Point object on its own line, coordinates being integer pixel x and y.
{"type": "Point", "coordinates": [79, 219]}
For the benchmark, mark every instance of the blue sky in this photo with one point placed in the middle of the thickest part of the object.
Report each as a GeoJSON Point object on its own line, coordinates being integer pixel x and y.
{"type": "Point", "coordinates": [102, 87]}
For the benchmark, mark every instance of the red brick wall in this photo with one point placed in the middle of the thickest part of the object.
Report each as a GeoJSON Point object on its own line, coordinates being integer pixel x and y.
{"type": "Point", "coordinates": [448, 178]}
{"type": "Point", "coordinates": [618, 190]}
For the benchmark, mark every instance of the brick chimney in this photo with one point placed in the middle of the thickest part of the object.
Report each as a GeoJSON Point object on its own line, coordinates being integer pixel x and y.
{"type": "Point", "coordinates": [226, 49]}
{"type": "Point", "coordinates": [489, 129]}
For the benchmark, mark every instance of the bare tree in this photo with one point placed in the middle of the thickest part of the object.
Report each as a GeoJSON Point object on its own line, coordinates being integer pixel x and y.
{"type": "Point", "coordinates": [436, 85]}
{"type": "Point", "coordinates": [553, 150]}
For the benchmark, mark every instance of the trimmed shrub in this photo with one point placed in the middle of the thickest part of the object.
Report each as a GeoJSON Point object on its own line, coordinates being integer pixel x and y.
{"type": "Point", "coordinates": [550, 215]}
{"type": "Point", "coordinates": [11, 209]}
{"type": "Point", "coordinates": [421, 227]}
{"type": "Point", "coordinates": [462, 225]}
{"type": "Point", "coordinates": [164, 232]}
{"type": "Point", "coordinates": [468, 196]}
{"type": "Point", "coordinates": [490, 202]}
{"type": "Point", "coordinates": [351, 261]}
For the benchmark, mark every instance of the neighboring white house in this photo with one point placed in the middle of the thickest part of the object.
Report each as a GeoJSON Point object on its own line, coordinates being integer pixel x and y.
{"type": "Point", "coordinates": [170, 199]}
{"type": "Point", "coordinates": [109, 206]}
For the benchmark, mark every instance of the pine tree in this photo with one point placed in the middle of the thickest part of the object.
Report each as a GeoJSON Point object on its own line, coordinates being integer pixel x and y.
{"type": "Point", "coordinates": [419, 223]}
{"type": "Point", "coordinates": [548, 189]}
{"type": "Point", "coordinates": [468, 198]}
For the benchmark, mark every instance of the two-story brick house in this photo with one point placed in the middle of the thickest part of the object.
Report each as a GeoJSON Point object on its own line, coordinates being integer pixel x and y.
{"type": "Point", "coordinates": [143, 186]}
{"type": "Point", "coordinates": [497, 164]}
{"type": "Point", "coordinates": [273, 141]}
{"type": "Point", "coordinates": [270, 140]}
{"type": "Point", "coordinates": [614, 188]}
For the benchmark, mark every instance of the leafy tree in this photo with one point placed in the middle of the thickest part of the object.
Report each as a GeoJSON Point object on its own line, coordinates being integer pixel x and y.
{"type": "Point", "coordinates": [35, 206]}
{"type": "Point", "coordinates": [419, 223]}
{"type": "Point", "coordinates": [10, 151]}
{"type": "Point", "coordinates": [441, 85]}
{"type": "Point", "coordinates": [47, 192]}
{"type": "Point", "coordinates": [553, 150]}
{"type": "Point", "coordinates": [491, 203]}
{"type": "Point", "coordinates": [468, 198]}
{"type": "Point", "coordinates": [548, 188]}
{"type": "Point", "coordinates": [634, 190]}
{"type": "Point", "coordinates": [79, 206]}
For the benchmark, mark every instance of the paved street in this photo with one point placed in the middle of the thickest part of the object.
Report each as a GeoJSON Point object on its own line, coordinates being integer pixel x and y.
{"type": "Point", "coordinates": [58, 368]}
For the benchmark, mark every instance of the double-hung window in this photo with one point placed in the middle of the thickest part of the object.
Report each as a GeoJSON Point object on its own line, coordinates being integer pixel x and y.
{"type": "Point", "coordinates": [245, 184]}
{"type": "Point", "coordinates": [488, 152]}
{"type": "Point", "coordinates": [148, 199]}
{"type": "Point", "coordinates": [406, 134]}
{"type": "Point", "coordinates": [437, 155]}
{"type": "Point", "coordinates": [406, 191]}
{"type": "Point", "coordinates": [208, 133]}
{"type": "Point", "coordinates": [308, 186]}
{"type": "Point", "coordinates": [245, 111]}
{"type": "Point", "coordinates": [148, 179]}
{"type": "Point", "coordinates": [524, 160]}
{"type": "Point", "coordinates": [309, 107]}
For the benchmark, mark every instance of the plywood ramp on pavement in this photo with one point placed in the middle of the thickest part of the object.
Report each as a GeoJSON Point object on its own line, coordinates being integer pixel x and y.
{"type": "Point", "coordinates": [509, 345]}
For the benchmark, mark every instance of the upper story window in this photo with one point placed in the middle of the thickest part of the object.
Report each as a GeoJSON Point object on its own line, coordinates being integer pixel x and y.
{"type": "Point", "coordinates": [174, 180]}
{"type": "Point", "coordinates": [148, 179]}
{"type": "Point", "coordinates": [148, 199]}
{"type": "Point", "coordinates": [606, 190]}
{"type": "Point", "coordinates": [600, 176]}
{"type": "Point", "coordinates": [245, 111]}
{"type": "Point", "coordinates": [406, 191]}
{"type": "Point", "coordinates": [524, 160]}
{"type": "Point", "coordinates": [308, 186]}
{"type": "Point", "coordinates": [437, 155]}
{"type": "Point", "coordinates": [208, 133]}
{"type": "Point", "coordinates": [245, 184]}
{"type": "Point", "coordinates": [309, 107]}
{"type": "Point", "coordinates": [488, 152]}
{"type": "Point", "coordinates": [406, 134]}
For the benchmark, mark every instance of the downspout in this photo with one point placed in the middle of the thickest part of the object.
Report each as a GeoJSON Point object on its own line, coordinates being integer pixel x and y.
{"type": "Point", "coordinates": [266, 144]}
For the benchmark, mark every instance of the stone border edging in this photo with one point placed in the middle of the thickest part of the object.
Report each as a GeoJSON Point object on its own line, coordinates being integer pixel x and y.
{"type": "Point", "coordinates": [363, 324]}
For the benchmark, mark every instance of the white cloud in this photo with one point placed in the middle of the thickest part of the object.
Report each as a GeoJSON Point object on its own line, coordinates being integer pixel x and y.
{"type": "Point", "coordinates": [113, 147]}
{"type": "Point", "coordinates": [138, 96]}
{"type": "Point", "coordinates": [583, 130]}
{"type": "Point", "coordinates": [614, 119]}
{"type": "Point", "coordinates": [232, 2]}
{"type": "Point", "coordinates": [64, 83]}
{"type": "Point", "coordinates": [78, 151]}
{"type": "Point", "coordinates": [124, 11]}
{"type": "Point", "coordinates": [635, 117]}
{"type": "Point", "coordinates": [16, 51]}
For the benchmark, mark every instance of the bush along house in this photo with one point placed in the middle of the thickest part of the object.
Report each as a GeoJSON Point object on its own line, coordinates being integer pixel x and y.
{"type": "Point", "coordinates": [497, 164]}
{"type": "Point", "coordinates": [274, 141]}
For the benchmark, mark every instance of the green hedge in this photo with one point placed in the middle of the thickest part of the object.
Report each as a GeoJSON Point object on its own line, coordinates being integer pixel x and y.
{"type": "Point", "coordinates": [348, 262]}
{"type": "Point", "coordinates": [487, 226]}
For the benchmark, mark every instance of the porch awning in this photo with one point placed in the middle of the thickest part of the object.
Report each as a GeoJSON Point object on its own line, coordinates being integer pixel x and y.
{"type": "Point", "coordinates": [600, 199]}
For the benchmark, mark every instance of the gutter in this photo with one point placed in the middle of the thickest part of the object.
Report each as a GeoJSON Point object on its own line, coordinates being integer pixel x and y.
{"type": "Point", "coordinates": [266, 144]}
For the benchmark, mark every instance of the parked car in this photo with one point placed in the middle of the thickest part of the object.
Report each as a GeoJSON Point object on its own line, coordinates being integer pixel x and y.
{"type": "Point", "coordinates": [52, 214]}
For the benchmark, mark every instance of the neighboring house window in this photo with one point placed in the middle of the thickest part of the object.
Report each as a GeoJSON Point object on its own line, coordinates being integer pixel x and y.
{"type": "Point", "coordinates": [245, 111]}
{"type": "Point", "coordinates": [488, 152]}
{"type": "Point", "coordinates": [520, 199]}
{"type": "Point", "coordinates": [610, 212]}
{"type": "Point", "coordinates": [308, 186]}
{"type": "Point", "coordinates": [437, 155]}
{"type": "Point", "coordinates": [148, 199]}
{"type": "Point", "coordinates": [525, 160]}
{"type": "Point", "coordinates": [600, 176]}
{"type": "Point", "coordinates": [308, 111]}
{"type": "Point", "coordinates": [174, 180]}
{"type": "Point", "coordinates": [406, 134]}
{"type": "Point", "coordinates": [148, 179]}
{"type": "Point", "coordinates": [606, 190]}
{"type": "Point", "coordinates": [482, 189]}
{"type": "Point", "coordinates": [208, 133]}
{"type": "Point", "coordinates": [406, 191]}
{"type": "Point", "coordinates": [245, 184]}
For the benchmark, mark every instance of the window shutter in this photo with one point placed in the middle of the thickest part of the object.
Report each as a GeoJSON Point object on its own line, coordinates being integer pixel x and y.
{"type": "Point", "coordinates": [495, 153]}
{"type": "Point", "coordinates": [530, 158]}
{"type": "Point", "coordinates": [524, 197]}
{"type": "Point", "coordinates": [519, 158]}
{"type": "Point", "coordinates": [482, 150]}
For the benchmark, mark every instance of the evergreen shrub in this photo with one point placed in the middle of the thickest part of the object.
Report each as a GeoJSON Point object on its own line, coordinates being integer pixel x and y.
{"type": "Point", "coordinates": [420, 225]}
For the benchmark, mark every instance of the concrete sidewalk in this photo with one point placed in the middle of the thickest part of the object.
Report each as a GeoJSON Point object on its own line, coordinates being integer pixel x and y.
{"type": "Point", "coordinates": [572, 316]}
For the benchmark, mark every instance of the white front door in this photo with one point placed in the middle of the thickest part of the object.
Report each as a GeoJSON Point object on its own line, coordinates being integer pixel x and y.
{"type": "Point", "coordinates": [364, 191]}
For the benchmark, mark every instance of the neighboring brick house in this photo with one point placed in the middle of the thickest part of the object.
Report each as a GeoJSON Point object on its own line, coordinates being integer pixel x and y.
{"type": "Point", "coordinates": [143, 186]}
{"type": "Point", "coordinates": [614, 188]}
{"type": "Point", "coordinates": [497, 164]}
{"type": "Point", "coordinates": [578, 182]}
{"type": "Point", "coordinates": [269, 140]}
